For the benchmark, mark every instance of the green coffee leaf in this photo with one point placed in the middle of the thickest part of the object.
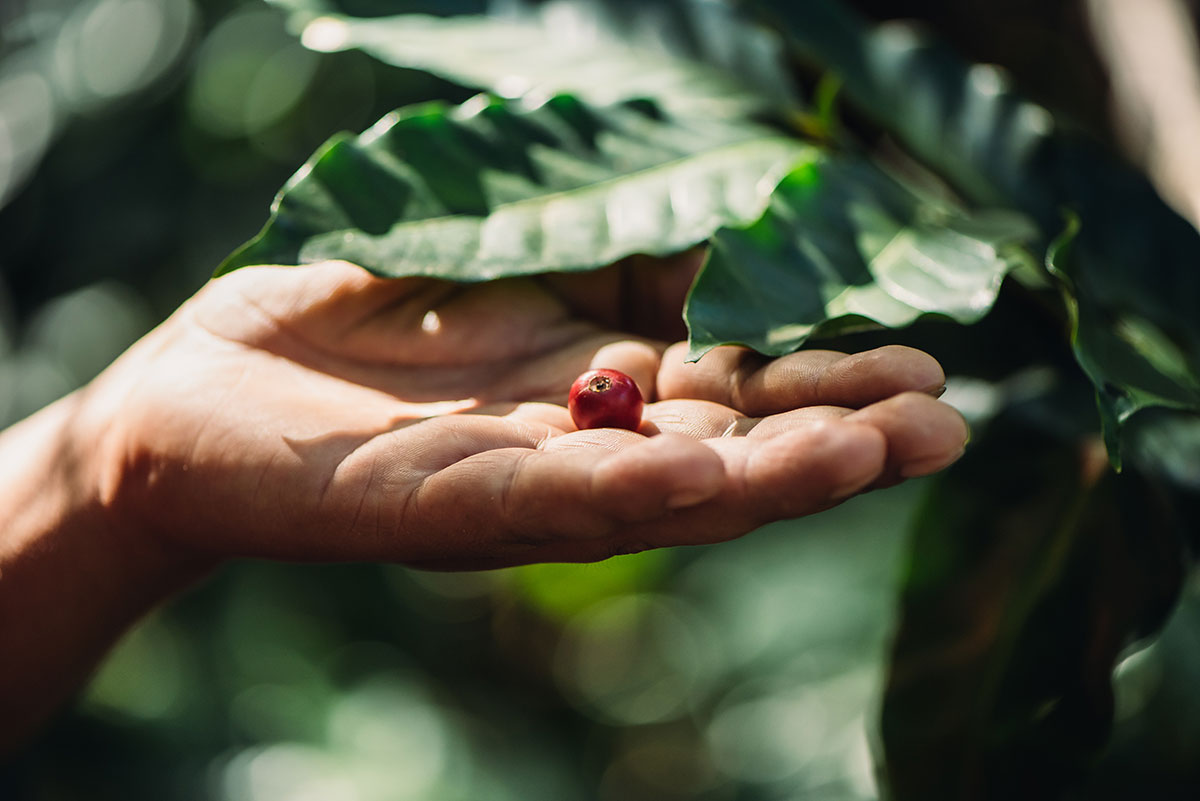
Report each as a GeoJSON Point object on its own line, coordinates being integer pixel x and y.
{"type": "Point", "coordinates": [688, 56]}
{"type": "Point", "coordinates": [844, 245]}
{"type": "Point", "coordinates": [1134, 287]}
{"type": "Point", "coordinates": [498, 188]}
{"type": "Point", "coordinates": [1133, 362]}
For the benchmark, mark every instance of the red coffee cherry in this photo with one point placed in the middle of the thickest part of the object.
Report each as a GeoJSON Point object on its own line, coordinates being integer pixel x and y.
{"type": "Point", "coordinates": [605, 399]}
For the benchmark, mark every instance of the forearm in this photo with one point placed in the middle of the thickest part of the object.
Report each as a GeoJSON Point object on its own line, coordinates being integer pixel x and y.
{"type": "Point", "coordinates": [72, 577]}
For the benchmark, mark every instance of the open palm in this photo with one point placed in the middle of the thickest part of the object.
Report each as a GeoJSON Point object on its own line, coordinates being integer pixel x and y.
{"type": "Point", "coordinates": [319, 413]}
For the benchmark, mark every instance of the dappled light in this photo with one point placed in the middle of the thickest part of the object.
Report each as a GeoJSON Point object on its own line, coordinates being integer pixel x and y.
{"type": "Point", "coordinates": [908, 641]}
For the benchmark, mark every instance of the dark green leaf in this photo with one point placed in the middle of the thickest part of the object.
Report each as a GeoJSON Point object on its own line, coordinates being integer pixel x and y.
{"type": "Point", "coordinates": [1167, 444]}
{"type": "Point", "coordinates": [844, 245]}
{"type": "Point", "coordinates": [1031, 569]}
{"type": "Point", "coordinates": [1133, 266]}
{"type": "Point", "coordinates": [1133, 363]}
{"type": "Point", "coordinates": [493, 189]}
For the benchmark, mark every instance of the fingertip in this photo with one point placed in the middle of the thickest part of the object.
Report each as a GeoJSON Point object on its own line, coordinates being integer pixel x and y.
{"type": "Point", "coordinates": [915, 370]}
{"type": "Point", "coordinates": [872, 375]}
{"type": "Point", "coordinates": [923, 434]}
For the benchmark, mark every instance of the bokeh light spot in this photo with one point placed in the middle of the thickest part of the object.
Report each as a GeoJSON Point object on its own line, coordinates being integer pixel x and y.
{"type": "Point", "coordinates": [118, 41]}
{"type": "Point", "coordinates": [325, 34]}
{"type": "Point", "coordinates": [249, 73]}
{"type": "Point", "coordinates": [28, 117]}
{"type": "Point", "coordinates": [637, 659]}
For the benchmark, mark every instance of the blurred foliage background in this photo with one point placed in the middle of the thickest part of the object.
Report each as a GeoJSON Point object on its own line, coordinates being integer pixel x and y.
{"type": "Point", "coordinates": [140, 142]}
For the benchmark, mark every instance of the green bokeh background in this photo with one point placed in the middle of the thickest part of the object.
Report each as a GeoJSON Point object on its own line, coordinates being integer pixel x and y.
{"type": "Point", "coordinates": [140, 142]}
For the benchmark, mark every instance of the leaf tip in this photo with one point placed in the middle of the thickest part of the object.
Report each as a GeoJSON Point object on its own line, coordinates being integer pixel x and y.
{"type": "Point", "coordinates": [696, 351]}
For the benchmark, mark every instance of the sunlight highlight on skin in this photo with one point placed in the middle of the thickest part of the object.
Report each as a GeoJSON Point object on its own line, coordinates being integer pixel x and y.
{"type": "Point", "coordinates": [431, 323]}
{"type": "Point", "coordinates": [436, 408]}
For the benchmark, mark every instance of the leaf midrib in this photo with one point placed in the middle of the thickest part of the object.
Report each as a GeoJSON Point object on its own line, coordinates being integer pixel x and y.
{"type": "Point", "coordinates": [801, 149]}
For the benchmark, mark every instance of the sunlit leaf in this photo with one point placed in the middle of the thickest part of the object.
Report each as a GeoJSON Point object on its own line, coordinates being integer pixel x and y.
{"type": "Point", "coordinates": [494, 188]}
{"type": "Point", "coordinates": [688, 55]}
{"type": "Point", "coordinates": [844, 245]}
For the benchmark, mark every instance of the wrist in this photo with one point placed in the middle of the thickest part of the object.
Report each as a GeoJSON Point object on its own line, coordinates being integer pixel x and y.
{"type": "Point", "coordinates": [74, 573]}
{"type": "Point", "coordinates": [56, 470]}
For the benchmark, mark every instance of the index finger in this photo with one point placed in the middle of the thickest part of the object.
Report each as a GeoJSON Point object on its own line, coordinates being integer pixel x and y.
{"type": "Point", "coordinates": [758, 386]}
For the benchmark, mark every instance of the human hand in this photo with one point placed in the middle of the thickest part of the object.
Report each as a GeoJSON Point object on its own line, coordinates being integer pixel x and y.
{"type": "Point", "coordinates": [320, 413]}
